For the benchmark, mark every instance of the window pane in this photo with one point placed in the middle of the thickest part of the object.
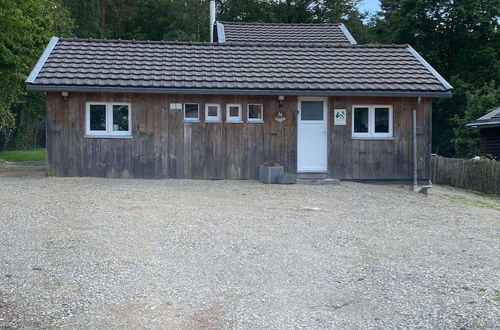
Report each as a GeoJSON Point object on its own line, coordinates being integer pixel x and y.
{"type": "Point", "coordinates": [120, 117]}
{"type": "Point", "coordinates": [97, 117]}
{"type": "Point", "coordinates": [255, 111]}
{"type": "Point", "coordinates": [311, 110]}
{"type": "Point", "coordinates": [213, 111]}
{"type": "Point", "coordinates": [360, 120]}
{"type": "Point", "coordinates": [191, 111]}
{"type": "Point", "coordinates": [381, 120]}
{"type": "Point", "coordinates": [234, 111]}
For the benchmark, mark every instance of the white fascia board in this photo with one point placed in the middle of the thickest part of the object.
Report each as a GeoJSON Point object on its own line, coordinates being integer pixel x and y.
{"type": "Point", "coordinates": [430, 68]}
{"type": "Point", "coordinates": [41, 61]}
{"type": "Point", "coordinates": [348, 34]}
{"type": "Point", "coordinates": [221, 36]}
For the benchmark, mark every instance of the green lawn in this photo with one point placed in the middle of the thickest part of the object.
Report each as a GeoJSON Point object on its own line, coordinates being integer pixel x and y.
{"type": "Point", "coordinates": [23, 155]}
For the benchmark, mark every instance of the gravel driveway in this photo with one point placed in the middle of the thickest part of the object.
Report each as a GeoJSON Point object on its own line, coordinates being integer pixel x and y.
{"type": "Point", "coordinates": [101, 253]}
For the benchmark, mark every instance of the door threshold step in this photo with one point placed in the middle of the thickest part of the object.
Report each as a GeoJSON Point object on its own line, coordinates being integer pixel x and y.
{"type": "Point", "coordinates": [312, 175]}
{"type": "Point", "coordinates": [318, 181]}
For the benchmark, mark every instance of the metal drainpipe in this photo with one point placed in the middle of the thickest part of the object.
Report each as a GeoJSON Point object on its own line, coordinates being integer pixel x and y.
{"type": "Point", "coordinates": [415, 173]}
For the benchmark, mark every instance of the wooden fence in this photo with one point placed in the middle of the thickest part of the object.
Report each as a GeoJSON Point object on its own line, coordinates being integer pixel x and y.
{"type": "Point", "coordinates": [480, 175]}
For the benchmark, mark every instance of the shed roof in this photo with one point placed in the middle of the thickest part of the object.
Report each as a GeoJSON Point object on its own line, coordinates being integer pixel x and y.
{"type": "Point", "coordinates": [278, 32]}
{"type": "Point", "coordinates": [234, 68]}
{"type": "Point", "coordinates": [491, 119]}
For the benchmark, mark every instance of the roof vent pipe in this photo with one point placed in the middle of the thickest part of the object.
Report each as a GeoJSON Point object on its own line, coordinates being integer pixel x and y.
{"type": "Point", "coordinates": [212, 19]}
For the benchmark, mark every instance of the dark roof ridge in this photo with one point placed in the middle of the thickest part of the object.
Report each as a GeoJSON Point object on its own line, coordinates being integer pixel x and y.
{"type": "Point", "coordinates": [266, 23]}
{"type": "Point", "coordinates": [228, 44]}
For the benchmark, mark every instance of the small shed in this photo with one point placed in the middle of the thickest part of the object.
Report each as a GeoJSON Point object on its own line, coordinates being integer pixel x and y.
{"type": "Point", "coordinates": [489, 127]}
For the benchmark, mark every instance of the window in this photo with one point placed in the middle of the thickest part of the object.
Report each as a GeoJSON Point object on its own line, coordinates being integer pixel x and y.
{"type": "Point", "coordinates": [191, 112]}
{"type": "Point", "coordinates": [212, 112]}
{"type": "Point", "coordinates": [233, 114]}
{"type": "Point", "coordinates": [108, 119]}
{"type": "Point", "coordinates": [255, 113]}
{"type": "Point", "coordinates": [372, 121]}
{"type": "Point", "coordinates": [312, 110]}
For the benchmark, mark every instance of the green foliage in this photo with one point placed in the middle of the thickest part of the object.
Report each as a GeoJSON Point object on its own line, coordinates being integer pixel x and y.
{"type": "Point", "coordinates": [459, 38]}
{"type": "Point", "coordinates": [30, 122]}
{"type": "Point", "coordinates": [35, 155]}
{"type": "Point", "coordinates": [478, 103]}
{"type": "Point", "coordinates": [26, 28]}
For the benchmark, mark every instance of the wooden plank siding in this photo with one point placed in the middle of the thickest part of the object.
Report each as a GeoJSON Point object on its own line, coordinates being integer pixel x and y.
{"type": "Point", "coordinates": [164, 146]}
{"type": "Point", "coordinates": [489, 143]}
{"type": "Point", "coordinates": [382, 159]}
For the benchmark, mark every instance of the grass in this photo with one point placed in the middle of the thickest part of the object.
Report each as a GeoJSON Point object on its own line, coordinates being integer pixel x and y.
{"type": "Point", "coordinates": [472, 202]}
{"type": "Point", "coordinates": [34, 155]}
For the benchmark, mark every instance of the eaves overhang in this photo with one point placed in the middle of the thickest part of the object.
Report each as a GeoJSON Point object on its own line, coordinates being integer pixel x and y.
{"type": "Point", "coordinates": [235, 91]}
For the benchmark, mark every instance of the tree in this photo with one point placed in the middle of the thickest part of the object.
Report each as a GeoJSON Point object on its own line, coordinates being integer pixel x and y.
{"type": "Point", "coordinates": [26, 28]}
{"type": "Point", "coordinates": [479, 102]}
{"type": "Point", "coordinates": [460, 38]}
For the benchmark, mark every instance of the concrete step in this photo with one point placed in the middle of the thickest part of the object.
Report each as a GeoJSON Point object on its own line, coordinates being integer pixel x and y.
{"type": "Point", "coordinates": [316, 176]}
{"type": "Point", "coordinates": [326, 181]}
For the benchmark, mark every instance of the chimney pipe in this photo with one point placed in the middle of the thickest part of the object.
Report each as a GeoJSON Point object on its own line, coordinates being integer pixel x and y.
{"type": "Point", "coordinates": [212, 19]}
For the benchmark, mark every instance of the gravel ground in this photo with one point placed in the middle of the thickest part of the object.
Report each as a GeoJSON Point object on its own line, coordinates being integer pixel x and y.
{"type": "Point", "coordinates": [102, 253]}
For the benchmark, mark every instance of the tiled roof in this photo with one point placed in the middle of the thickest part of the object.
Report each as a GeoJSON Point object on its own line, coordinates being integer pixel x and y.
{"type": "Point", "coordinates": [247, 68]}
{"type": "Point", "coordinates": [491, 119]}
{"type": "Point", "coordinates": [274, 32]}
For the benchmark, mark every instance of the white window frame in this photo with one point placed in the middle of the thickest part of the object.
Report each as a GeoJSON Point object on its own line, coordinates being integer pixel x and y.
{"type": "Point", "coordinates": [213, 119]}
{"type": "Point", "coordinates": [255, 120]}
{"type": "Point", "coordinates": [371, 123]}
{"type": "Point", "coordinates": [109, 121]}
{"type": "Point", "coordinates": [233, 119]}
{"type": "Point", "coordinates": [191, 120]}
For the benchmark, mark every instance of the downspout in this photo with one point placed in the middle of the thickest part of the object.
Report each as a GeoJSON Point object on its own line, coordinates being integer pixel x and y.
{"type": "Point", "coordinates": [212, 19]}
{"type": "Point", "coordinates": [415, 172]}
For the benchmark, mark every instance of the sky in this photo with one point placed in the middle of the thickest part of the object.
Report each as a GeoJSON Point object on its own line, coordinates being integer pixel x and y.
{"type": "Point", "coordinates": [370, 5]}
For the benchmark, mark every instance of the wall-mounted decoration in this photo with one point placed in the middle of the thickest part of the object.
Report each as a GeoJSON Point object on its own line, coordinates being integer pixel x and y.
{"type": "Point", "coordinates": [340, 117]}
{"type": "Point", "coordinates": [280, 116]}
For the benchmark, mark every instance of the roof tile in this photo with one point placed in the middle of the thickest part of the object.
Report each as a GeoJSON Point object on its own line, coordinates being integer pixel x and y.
{"type": "Point", "coordinates": [237, 66]}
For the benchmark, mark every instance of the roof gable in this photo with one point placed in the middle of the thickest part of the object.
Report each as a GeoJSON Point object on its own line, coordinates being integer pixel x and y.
{"type": "Point", "coordinates": [278, 32]}
{"type": "Point", "coordinates": [491, 119]}
{"type": "Point", "coordinates": [232, 68]}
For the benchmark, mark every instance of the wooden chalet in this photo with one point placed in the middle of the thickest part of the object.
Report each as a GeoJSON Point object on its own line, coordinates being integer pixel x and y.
{"type": "Point", "coordinates": [304, 95]}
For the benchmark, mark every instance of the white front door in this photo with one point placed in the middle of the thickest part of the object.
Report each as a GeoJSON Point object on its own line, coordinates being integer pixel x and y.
{"type": "Point", "coordinates": [312, 135]}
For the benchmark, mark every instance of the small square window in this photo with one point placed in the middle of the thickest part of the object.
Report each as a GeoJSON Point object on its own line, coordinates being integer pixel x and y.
{"type": "Point", "coordinates": [233, 113]}
{"type": "Point", "coordinates": [191, 112]}
{"type": "Point", "coordinates": [255, 113]}
{"type": "Point", "coordinates": [212, 112]}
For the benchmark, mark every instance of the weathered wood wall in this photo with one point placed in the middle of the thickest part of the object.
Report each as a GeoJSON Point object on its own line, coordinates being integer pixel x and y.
{"type": "Point", "coordinates": [163, 146]}
{"type": "Point", "coordinates": [490, 142]}
{"type": "Point", "coordinates": [382, 158]}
